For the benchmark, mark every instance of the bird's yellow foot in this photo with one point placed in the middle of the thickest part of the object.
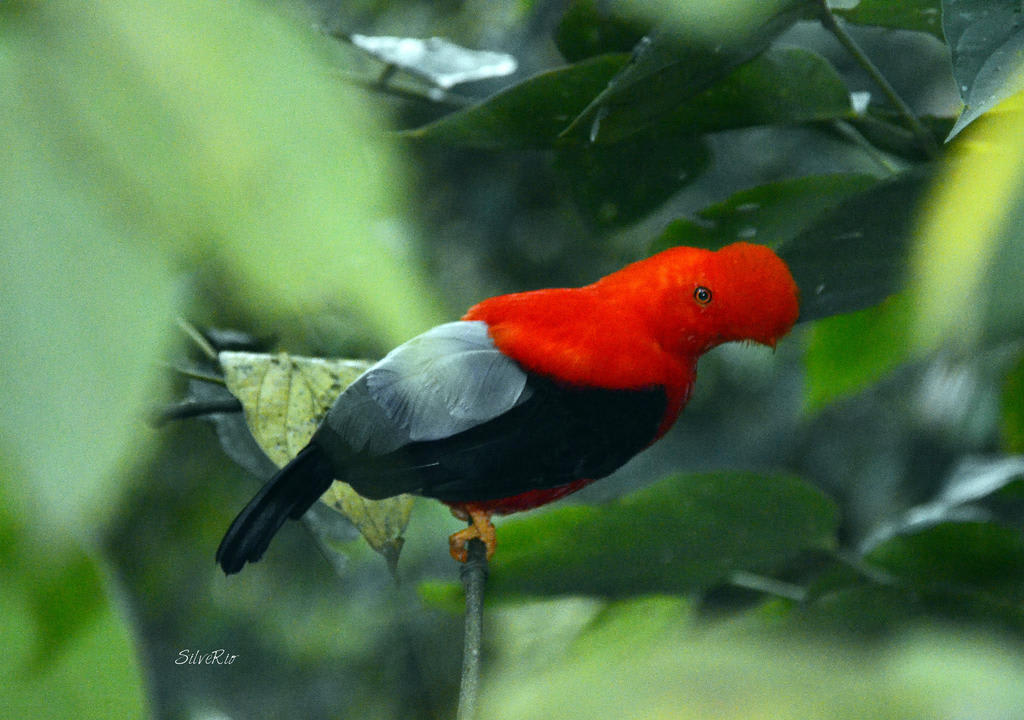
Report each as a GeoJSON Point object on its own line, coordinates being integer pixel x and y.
{"type": "Point", "coordinates": [480, 529]}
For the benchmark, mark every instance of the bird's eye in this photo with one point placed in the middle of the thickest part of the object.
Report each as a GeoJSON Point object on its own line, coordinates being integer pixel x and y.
{"type": "Point", "coordinates": [702, 295]}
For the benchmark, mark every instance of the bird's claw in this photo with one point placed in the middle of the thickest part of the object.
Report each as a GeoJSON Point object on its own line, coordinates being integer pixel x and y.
{"type": "Point", "coordinates": [480, 528]}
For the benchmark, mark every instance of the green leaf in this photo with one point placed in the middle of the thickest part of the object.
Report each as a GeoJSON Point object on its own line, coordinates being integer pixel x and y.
{"type": "Point", "coordinates": [918, 15]}
{"type": "Point", "coordinates": [680, 535]}
{"type": "Point", "coordinates": [856, 254]}
{"type": "Point", "coordinates": [666, 69]}
{"type": "Point", "coordinates": [1012, 415]}
{"type": "Point", "coordinates": [879, 612]}
{"type": "Point", "coordinates": [846, 353]}
{"type": "Point", "coordinates": [284, 398]}
{"type": "Point", "coordinates": [657, 167]}
{"type": "Point", "coordinates": [959, 557]}
{"type": "Point", "coordinates": [591, 28]}
{"type": "Point", "coordinates": [986, 41]}
{"type": "Point", "coordinates": [779, 87]}
{"type": "Point", "coordinates": [783, 86]}
{"type": "Point", "coordinates": [528, 115]}
{"type": "Point", "coordinates": [771, 214]}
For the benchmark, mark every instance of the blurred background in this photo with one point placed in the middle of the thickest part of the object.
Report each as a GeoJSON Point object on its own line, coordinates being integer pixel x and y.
{"type": "Point", "coordinates": [237, 166]}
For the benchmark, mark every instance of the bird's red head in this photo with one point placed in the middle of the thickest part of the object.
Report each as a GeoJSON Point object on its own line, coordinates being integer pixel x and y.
{"type": "Point", "coordinates": [648, 323]}
{"type": "Point", "coordinates": [705, 298]}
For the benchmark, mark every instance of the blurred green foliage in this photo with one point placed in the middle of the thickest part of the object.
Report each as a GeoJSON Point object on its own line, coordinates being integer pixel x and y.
{"type": "Point", "coordinates": [918, 15]}
{"type": "Point", "coordinates": [682, 535]}
{"type": "Point", "coordinates": [836, 364]}
{"type": "Point", "coordinates": [233, 163]}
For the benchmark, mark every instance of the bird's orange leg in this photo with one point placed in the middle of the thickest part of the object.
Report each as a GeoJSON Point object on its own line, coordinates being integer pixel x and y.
{"type": "Point", "coordinates": [480, 528]}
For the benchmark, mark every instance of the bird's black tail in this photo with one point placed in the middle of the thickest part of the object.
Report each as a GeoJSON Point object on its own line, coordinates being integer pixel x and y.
{"type": "Point", "coordinates": [289, 494]}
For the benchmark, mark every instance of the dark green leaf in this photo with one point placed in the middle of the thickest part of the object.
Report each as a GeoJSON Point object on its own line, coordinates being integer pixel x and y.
{"type": "Point", "coordinates": [986, 41]}
{"type": "Point", "coordinates": [771, 214]}
{"type": "Point", "coordinates": [591, 27]}
{"type": "Point", "coordinates": [682, 534]}
{"type": "Point", "coordinates": [1006, 505]}
{"type": "Point", "coordinates": [1012, 424]}
{"type": "Point", "coordinates": [618, 184]}
{"type": "Point", "coordinates": [958, 557]}
{"type": "Point", "coordinates": [919, 15]}
{"type": "Point", "coordinates": [856, 254]}
{"type": "Point", "coordinates": [859, 609]}
{"type": "Point", "coordinates": [884, 610]}
{"type": "Point", "coordinates": [667, 69]}
{"type": "Point", "coordinates": [780, 86]}
{"type": "Point", "coordinates": [528, 115]}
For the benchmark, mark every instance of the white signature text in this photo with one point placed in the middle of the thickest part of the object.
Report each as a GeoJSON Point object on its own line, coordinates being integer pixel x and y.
{"type": "Point", "coordinates": [198, 657]}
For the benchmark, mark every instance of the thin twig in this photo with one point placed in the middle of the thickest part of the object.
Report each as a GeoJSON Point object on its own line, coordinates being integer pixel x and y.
{"type": "Point", "coordinates": [198, 338]}
{"type": "Point", "coordinates": [851, 133]}
{"type": "Point", "coordinates": [770, 586]}
{"type": "Point", "coordinates": [196, 374]}
{"type": "Point", "coordinates": [474, 577]}
{"type": "Point", "coordinates": [924, 138]}
{"type": "Point", "coordinates": [869, 572]}
{"type": "Point", "coordinates": [194, 408]}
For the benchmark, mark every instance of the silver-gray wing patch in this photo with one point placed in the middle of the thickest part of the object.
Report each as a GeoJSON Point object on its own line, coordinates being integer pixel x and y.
{"type": "Point", "coordinates": [440, 383]}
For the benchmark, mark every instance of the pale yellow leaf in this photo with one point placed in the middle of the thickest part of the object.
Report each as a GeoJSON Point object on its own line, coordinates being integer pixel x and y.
{"type": "Point", "coordinates": [284, 398]}
{"type": "Point", "coordinates": [965, 271]}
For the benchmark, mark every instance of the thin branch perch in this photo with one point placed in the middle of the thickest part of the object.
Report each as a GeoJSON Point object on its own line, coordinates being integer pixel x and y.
{"type": "Point", "coordinates": [474, 577]}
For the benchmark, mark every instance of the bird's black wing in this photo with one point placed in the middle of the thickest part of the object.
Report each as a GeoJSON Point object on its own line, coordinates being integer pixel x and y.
{"type": "Point", "coordinates": [557, 435]}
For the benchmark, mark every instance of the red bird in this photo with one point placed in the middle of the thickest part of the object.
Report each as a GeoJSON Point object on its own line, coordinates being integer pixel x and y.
{"type": "Point", "coordinates": [530, 396]}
